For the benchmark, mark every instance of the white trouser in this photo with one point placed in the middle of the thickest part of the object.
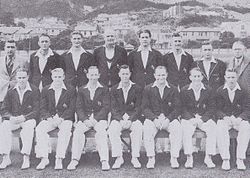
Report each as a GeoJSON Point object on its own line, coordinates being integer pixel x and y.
{"type": "Point", "coordinates": [101, 138]}
{"type": "Point", "coordinates": [223, 137]}
{"type": "Point", "coordinates": [114, 132]}
{"type": "Point", "coordinates": [188, 129]}
{"type": "Point", "coordinates": [175, 136]}
{"type": "Point", "coordinates": [27, 135]}
{"type": "Point", "coordinates": [42, 137]}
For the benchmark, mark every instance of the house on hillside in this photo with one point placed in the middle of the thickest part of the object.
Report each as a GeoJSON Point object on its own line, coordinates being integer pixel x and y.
{"type": "Point", "coordinates": [240, 29]}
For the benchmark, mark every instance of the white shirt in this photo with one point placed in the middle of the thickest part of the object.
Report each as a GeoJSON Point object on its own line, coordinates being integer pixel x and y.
{"type": "Point", "coordinates": [207, 65]}
{"type": "Point", "coordinates": [178, 58]}
{"type": "Point", "coordinates": [231, 93]}
{"type": "Point", "coordinates": [92, 90]}
{"type": "Point", "coordinates": [21, 94]}
{"type": "Point", "coordinates": [197, 94]}
{"type": "Point", "coordinates": [238, 61]}
{"type": "Point", "coordinates": [58, 91]}
{"type": "Point", "coordinates": [76, 55]}
{"type": "Point", "coordinates": [144, 55]}
{"type": "Point", "coordinates": [125, 90]}
{"type": "Point", "coordinates": [43, 59]}
{"type": "Point", "coordinates": [161, 89]}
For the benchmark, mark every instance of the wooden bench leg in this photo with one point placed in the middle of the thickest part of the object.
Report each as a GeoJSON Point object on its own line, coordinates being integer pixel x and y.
{"type": "Point", "coordinates": [233, 145]}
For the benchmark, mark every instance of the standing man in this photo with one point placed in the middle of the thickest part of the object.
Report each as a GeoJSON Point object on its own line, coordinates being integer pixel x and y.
{"type": "Point", "coordinates": [233, 111]}
{"type": "Point", "coordinates": [92, 108]}
{"type": "Point", "coordinates": [143, 60]}
{"type": "Point", "coordinates": [9, 63]}
{"type": "Point", "coordinates": [178, 63]}
{"type": "Point", "coordinates": [160, 106]}
{"type": "Point", "coordinates": [197, 112]}
{"type": "Point", "coordinates": [126, 111]}
{"type": "Point", "coordinates": [212, 69]}
{"type": "Point", "coordinates": [57, 111]}
{"type": "Point", "coordinates": [109, 58]}
{"type": "Point", "coordinates": [20, 109]}
{"type": "Point", "coordinates": [42, 62]}
{"type": "Point", "coordinates": [77, 61]}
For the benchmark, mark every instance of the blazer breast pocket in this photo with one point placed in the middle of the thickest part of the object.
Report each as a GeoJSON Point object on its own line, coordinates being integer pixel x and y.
{"type": "Point", "coordinates": [99, 103]}
{"type": "Point", "coordinates": [65, 105]}
{"type": "Point", "coordinates": [216, 77]}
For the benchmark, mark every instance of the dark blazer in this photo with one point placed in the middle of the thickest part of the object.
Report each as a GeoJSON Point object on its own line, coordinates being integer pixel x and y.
{"type": "Point", "coordinates": [29, 108]}
{"type": "Point", "coordinates": [178, 78]}
{"type": "Point", "coordinates": [65, 107]}
{"type": "Point", "coordinates": [109, 76]}
{"type": "Point", "coordinates": [132, 106]}
{"type": "Point", "coordinates": [239, 107]}
{"type": "Point", "coordinates": [77, 77]}
{"type": "Point", "coordinates": [216, 73]}
{"type": "Point", "coordinates": [140, 75]}
{"type": "Point", "coordinates": [205, 106]}
{"type": "Point", "coordinates": [99, 106]}
{"type": "Point", "coordinates": [35, 74]}
{"type": "Point", "coordinates": [153, 105]}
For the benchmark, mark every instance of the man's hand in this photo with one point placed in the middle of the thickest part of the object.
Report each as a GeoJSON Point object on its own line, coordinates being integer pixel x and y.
{"type": "Point", "coordinates": [20, 119]}
{"type": "Point", "coordinates": [88, 123]}
{"type": "Point", "coordinates": [13, 120]}
{"type": "Point", "coordinates": [125, 117]}
{"type": "Point", "coordinates": [125, 124]}
{"type": "Point", "coordinates": [157, 123]}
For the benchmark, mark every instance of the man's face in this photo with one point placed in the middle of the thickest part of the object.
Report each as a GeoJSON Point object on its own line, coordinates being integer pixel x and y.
{"type": "Point", "coordinates": [160, 76]}
{"type": "Point", "coordinates": [44, 42]}
{"type": "Point", "coordinates": [76, 40]}
{"type": "Point", "coordinates": [124, 75]}
{"type": "Point", "coordinates": [238, 50]}
{"type": "Point", "coordinates": [231, 78]}
{"type": "Point", "coordinates": [177, 42]}
{"type": "Point", "coordinates": [145, 39]}
{"type": "Point", "coordinates": [207, 51]}
{"type": "Point", "coordinates": [22, 78]}
{"type": "Point", "coordinates": [57, 77]}
{"type": "Point", "coordinates": [93, 75]}
{"type": "Point", "coordinates": [109, 37]}
{"type": "Point", "coordinates": [10, 49]}
{"type": "Point", "coordinates": [195, 76]}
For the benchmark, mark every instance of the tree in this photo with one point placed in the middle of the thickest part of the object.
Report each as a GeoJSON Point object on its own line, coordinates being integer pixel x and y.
{"type": "Point", "coordinates": [7, 18]}
{"type": "Point", "coordinates": [21, 24]}
{"type": "Point", "coordinates": [227, 39]}
{"type": "Point", "coordinates": [131, 38]}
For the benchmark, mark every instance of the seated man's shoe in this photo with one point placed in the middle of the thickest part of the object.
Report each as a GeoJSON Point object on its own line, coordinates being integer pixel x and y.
{"type": "Point", "coordinates": [58, 164]}
{"type": "Point", "coordinates": [72, 165]}
{"type": "Point", "coordinates": [136, 163]}
{"type": "Point", "coordinates": [6, 162]}
{"type": "Point", "coordinates": [240, 164]}
{"type": "Point", "coordinates": [208, 161]}
{"type": "Point", "coordinates": [174, 163]}
{"type": "Point", "coordinates": [44, 162]}
{"type": "Point", "coordinates": [26, 162]}
{"type": "Point", "coordinates": [118, 163]}
{"type": "Point", "coordinates": [225, 165]}
{"type": "Point", "coordinates": [151, 163]}
{"type": "Point", "coordinates": [189, 162]}
{"type": "Point", "coordinates": [105, 166]}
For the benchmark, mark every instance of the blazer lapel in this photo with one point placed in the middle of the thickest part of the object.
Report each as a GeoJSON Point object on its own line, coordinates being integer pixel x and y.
{"type": "Point", "coordinates": [115, 58]}
{"type": "Point", "coordinates": [26, 96]}
{"type": "Point", "coordinates": [52, 97]}
{"type": "Point", "coordinates": [120, 95]}
{"type": "Point", "coordinates": [98, 92]}
{"type": "Point", "coordinates": [16, 97]}
{"type": "Point", "coordinates": [150, 58]}
{"type": "Point", "coordinates": [165, 93]}
{"type": "Point", "coordinates": [70, 61]}
{"type": "Point", "coordinates": [61, 98]}
{"type": "Point", "coordinates": [201, 66]}
{"type": "Point", "coordinates": [173, 61]}
{"type": "Point", "coordinates": [131, 94]}
{"type": "Point", "coordinates": [139, 58]}
{"type": "Point", "coordinates": [243, 66]}
{"type": "Point", "coordinates": [212, 68]}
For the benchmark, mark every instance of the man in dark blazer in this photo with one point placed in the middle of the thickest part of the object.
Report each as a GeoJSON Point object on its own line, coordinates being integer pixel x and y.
{"type": "Point", "coordinates": [160, 106]}
{"type": "Point", "coordinates": [198, 106]}
{"type": "Point", "coordinates": [57, 111]}
{"type": "Point", "coordinates": [126, 112]}
{"type": "Point", "coordinates": [93, 105]}
{"type": "Point", "coordinates": [108, 58]}
{"type": "Point", "coordinates": [42, 62]}
{"type": "Point", "coordinates": [20, 109]}
{"type": "Point", "coordinates": [77, 61]}
{"type": "Point", "coordinates": [178, 63]}
{"type": "Point", "coordinates": [233, 111]}
{"type": "Point", "coordinates": [143, 60]}
{"type": "Point", "coordinates": [212, 69]}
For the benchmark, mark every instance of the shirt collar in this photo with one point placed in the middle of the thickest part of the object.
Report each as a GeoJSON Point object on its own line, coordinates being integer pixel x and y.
{"type": "Point", "coordinates": [191, 86]}
{"type": "Point", "coordinates": [81, 50]}
{"type": "Point", "coordinates": [140, 48]}
{"type": "Point", "coordinates": [212, 60]}
{"type": "Point", "coordinates": [52, 86]}
{"type": "Point", "coordinates": [27, 88]}
{"type": "Point", "coordinates": [120, 85]}
{"type": "Point", "coordinates": [50, 53]}
{"type": "Point", "coordinates": [97, 86]}
{"type": "Point", "coordinates": [182, 52]}
{"type": "Point", "coordinates": [155, 84]}
{"type": "Point", "coordinates": [237, 87]}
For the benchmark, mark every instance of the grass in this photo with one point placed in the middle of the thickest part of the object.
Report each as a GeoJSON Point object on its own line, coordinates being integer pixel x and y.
{"type": "Point", "coordinates": [90, 167]}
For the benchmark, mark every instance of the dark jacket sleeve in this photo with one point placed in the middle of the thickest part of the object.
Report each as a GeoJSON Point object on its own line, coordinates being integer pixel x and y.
{"type": "Point", "coordinates": [6, 107]}
{"type": "Point", "coordinates": [147, 112]}
{"type": "Point", "coordinates": [245, 115]}
{"type": "Point", "coordinates": [105, 106]}
{"type": "Point", "coordinates": [69, 112]}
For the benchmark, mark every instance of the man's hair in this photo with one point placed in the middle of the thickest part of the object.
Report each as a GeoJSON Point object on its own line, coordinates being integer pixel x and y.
{"type": "Point", "coordinates": [205, 43]}
{"type": "Point", "coordinates": [76, 33]}
{"type": "Point", "coordinates": [10, 41]}
{"type": "Point", "coordinates": [57, 70]}
{"type": "Point", "coordinates": [92, 67]}
{"type": "Point", "coordinates": [231, 70]}
{"type": "Point", "coordinates": [176, 35]}
{"type": "Point", "coordinates": [22, 69]}
{"type": "Point", "coordinates": [239, 43]}
{"type": "Point", "coordinates": [45, 35]}
{"type": "Point", "coordinates": [161, 67]}
{"type": "Point", "coordinates": [144, 31]}
{"type": "Point", "coordinates": [195, 69]}
{"type": "Point", "coordinates": [124, 66]}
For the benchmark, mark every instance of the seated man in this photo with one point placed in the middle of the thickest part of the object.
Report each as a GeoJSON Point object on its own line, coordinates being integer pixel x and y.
{"type": "Point", "coordinates": [160, 106]}
{"type": "Point", "coordinates": [56, 111]}
{"type": "Point", "coordinates": [93, 102]}
{"type": "Point", "coordinates": [125, 109]}
{"type": "Point", "coordinates": [233, 111]}
{"type": "Point", "coordinates": [197, 112]}
{"type": "Point", "coordinates": [19, 110]}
